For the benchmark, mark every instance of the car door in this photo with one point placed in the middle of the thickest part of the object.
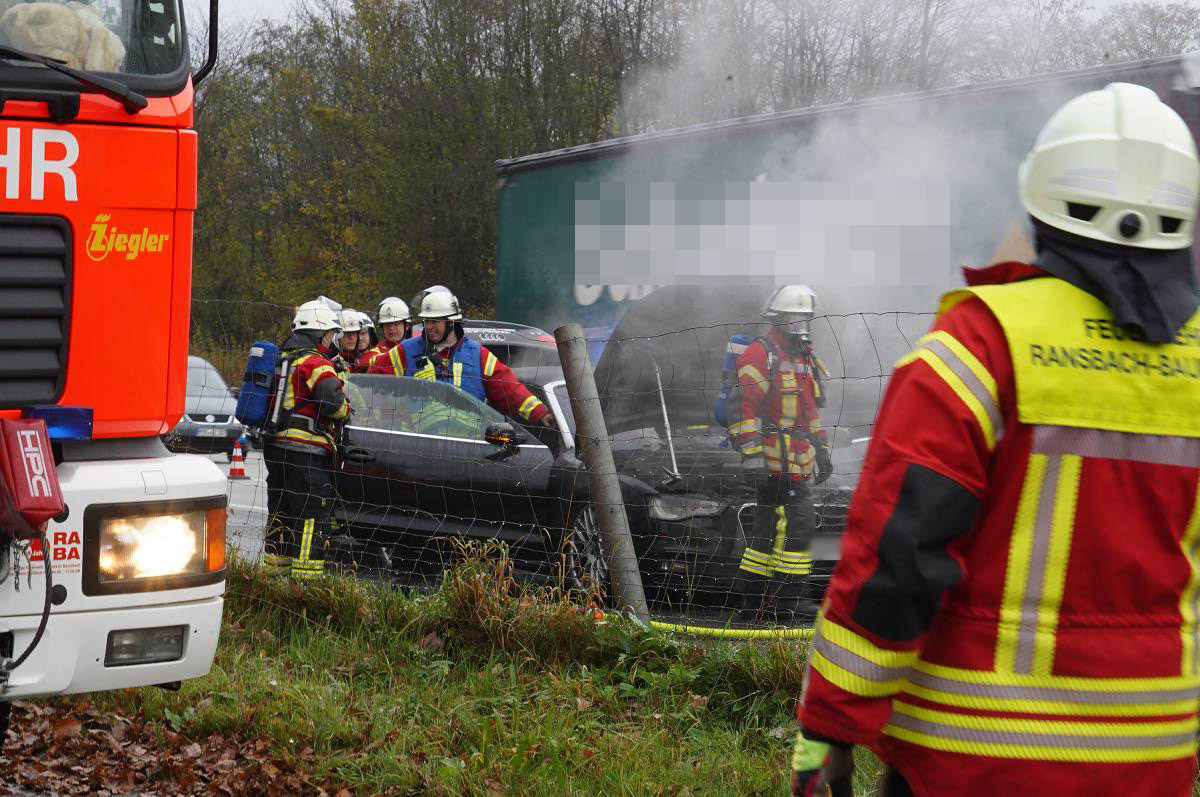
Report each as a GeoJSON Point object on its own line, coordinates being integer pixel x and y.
{"type": "Point", "coordinates": [418, 447]}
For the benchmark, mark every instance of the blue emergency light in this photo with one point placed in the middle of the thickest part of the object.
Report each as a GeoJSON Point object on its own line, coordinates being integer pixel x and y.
{"type": "Point", "coordinates": [62, 423]}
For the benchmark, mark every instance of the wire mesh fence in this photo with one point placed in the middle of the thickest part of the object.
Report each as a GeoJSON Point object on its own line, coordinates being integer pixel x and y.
{"type": "Point", "coordinates": [423, 465]}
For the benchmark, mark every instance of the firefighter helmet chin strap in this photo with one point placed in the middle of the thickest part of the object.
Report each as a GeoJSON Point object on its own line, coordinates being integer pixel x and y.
{"type": "Point", "coordinates": [1151, 292]}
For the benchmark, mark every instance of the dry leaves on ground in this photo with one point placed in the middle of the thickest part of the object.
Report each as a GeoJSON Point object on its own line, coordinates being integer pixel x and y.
{"type": "Point", "coordinates": [76, 750]}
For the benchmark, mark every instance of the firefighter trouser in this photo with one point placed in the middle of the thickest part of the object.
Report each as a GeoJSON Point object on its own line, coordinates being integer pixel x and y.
{"type": "Point", "coordinates": [300, 508]}
{"type": "Point", "coordinates": [778, 555]}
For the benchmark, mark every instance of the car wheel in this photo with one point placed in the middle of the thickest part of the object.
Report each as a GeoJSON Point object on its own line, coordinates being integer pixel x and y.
{"type": "Point", "coordinates": [584, 565]}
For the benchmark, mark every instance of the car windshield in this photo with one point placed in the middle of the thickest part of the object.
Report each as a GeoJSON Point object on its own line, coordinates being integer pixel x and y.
{"type": "Point", "coordinates": [418, 406]}
{"type": "Point", "coordinates": [136, 37]}
{"type": "Point", "coordinates": [203, 380]}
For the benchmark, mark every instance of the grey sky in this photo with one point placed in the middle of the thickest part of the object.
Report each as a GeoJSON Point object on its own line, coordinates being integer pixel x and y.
{"type": "Point", "coordinates": [242, 10]}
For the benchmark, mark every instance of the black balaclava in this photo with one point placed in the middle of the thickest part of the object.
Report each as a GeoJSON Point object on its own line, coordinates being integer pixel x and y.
{"type": "Point", "coordinates": [1151, 292]}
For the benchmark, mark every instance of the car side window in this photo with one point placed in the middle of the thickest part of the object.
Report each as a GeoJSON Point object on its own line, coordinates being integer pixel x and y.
{"type": "Point", "coordinates": [402, 404]}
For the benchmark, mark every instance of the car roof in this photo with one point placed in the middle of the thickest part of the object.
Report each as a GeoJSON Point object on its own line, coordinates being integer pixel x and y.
{"type": "Point", "coordinates": [194, 361]}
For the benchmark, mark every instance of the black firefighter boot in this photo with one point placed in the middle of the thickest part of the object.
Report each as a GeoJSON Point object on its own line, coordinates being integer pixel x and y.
{"type": "Point", "coordinates": [754, 592]}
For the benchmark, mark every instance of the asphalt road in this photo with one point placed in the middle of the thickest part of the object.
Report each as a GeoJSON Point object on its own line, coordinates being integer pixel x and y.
{"type": "Point", "coordinates": [247, 505]}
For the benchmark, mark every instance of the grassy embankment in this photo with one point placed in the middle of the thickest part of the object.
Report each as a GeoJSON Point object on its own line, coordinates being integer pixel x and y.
{"type": "Point", "coordinates": [482, 689]}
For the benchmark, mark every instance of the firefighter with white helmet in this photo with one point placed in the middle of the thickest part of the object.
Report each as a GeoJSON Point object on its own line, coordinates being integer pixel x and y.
{"type": "Point", "coordinates": [367, 338]}
{"type": "Point", "coordinates": [395, 321]}
{"type": "Point", "coordinates": [351, 321]}
{"type": "Point", "coordinates": [1016, 601]}
{"type": "Point", "coordinates": [774, 422]}
{"type": "Point", "coordinates": [444, 353]}
{"type": "Point", "coordinates": [419, 298]}
{"type": "Point", "coordinates": [299, 456]}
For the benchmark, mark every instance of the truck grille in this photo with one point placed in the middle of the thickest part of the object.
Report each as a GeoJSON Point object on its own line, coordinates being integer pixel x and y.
{"type": "Point", "coordinates": [35, 302]}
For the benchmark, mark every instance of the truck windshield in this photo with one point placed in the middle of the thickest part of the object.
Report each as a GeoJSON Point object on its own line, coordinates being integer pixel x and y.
{"type": "Point", "coordinates": [134, 37]}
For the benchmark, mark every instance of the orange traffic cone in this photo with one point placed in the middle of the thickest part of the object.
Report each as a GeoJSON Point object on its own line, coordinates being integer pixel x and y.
{"type": "Point", "coordinates": [236, 468]}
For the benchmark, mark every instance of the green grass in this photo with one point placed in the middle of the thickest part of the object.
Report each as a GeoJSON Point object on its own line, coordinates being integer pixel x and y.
{"type": "Point", "coordinates": [483, 689]}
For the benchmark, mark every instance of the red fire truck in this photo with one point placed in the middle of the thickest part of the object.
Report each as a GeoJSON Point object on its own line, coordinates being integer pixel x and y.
{"type": "Point", "coordinates": [97, 195]}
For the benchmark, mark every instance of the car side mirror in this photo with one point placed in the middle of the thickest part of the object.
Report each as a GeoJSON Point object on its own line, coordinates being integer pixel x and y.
{"type": "Point", "coordinates": [236, 392]}
{"type": "Point", "coordinates": [503, 433]}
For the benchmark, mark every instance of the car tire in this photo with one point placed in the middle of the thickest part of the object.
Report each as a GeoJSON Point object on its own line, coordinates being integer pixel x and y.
{"type": "Point", "coordinates": [584, 566]}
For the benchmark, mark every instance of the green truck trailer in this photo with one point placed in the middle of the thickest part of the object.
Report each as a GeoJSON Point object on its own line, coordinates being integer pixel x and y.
{"type": "Point", "coordinates": [893, 193]}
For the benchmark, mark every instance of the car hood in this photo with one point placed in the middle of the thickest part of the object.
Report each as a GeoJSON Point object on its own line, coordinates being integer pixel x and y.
{"type": "Point", "coordinates": [210, 402]}
{"type": "Point", "coordinates": [679, 334]}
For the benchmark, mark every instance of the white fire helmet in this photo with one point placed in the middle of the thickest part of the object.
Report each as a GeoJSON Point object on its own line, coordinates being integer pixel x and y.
{"type": "Point", "coordinates": [365, 321]}
{"type": "Point", "coordinates": [440, 304]}
{"type": "Point", "coordinates": [1116, 165]}
{"type": "Point", "coordinates": [793, 307]}
{"type": "Point", "coordinates": [392, 310]}
{"type": "Point", "coordinates": [315, 315]}
{"type": "Point", "coordinates": [351, 320]}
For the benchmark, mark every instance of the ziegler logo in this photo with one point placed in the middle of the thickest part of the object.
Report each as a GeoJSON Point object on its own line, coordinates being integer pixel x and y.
{"type": "Point", "coordinates": [105, 240]}
{"type": "Point", "coordinates": [35, 463]}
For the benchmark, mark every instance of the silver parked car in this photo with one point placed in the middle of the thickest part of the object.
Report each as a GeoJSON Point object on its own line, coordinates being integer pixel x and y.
{"type": "Point", "coordinates": [207, 425]}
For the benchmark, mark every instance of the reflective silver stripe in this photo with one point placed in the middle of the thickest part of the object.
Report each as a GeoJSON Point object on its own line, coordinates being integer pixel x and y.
{"type": "Point", "coordinates": [1027, 635]}
{"type": "Point", "coordinates": [1101, 444]}
{"type": "Point", "coordinates": [945, 731]}
{"type": "Point", "coordinates": [1051, 694]}
{"type": "Point", "coordinates": [968, 377]}
{"type": "Point", "coordinates": [855, 664]}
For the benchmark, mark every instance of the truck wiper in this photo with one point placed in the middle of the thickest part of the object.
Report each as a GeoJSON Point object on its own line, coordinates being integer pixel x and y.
{"type": "Point", "coordinates": [130, 99]}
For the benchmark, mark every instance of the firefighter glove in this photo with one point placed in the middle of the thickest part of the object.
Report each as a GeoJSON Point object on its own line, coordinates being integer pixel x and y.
{"type": "Point", "coordinates": [824, 463]}
{"type": "Point", "coordinates": [820, 769]}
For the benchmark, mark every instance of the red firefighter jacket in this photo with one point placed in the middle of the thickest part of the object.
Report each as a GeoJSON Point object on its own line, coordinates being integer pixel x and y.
{"type": "Point", "coordinates": [777, 409]}
{"type": "Point", "coordinates": [500, 385]}
{"type": "Point", "coordinates": [1015, 609]}
{"type": "Point", "coordinates": [368, 357]}
{"type": "Point", "coordinates": [308, 425]}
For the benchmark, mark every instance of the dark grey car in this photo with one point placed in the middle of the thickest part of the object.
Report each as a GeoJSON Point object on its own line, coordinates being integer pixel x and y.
{"type": "Point", "coordinates": [207, 425]}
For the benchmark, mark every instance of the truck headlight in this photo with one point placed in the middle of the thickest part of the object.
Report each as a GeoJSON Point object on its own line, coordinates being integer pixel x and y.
{"type": "Point", "coordinates": [682, 507]}
{"type": "Point", "coordinates": [131, 548]}
{"type": "Point", "coordinates": [154, 545]}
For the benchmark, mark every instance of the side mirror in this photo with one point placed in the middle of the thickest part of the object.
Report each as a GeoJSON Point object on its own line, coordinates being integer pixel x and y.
{"type": "Point", "coordinates": [503, 433]}
{"type": "Point", "coordinates": [236, 392]}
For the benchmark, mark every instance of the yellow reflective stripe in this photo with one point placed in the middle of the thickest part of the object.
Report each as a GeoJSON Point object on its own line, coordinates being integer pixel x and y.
{"type": "Point", "coordinates": [457, 369]}
{"type": "Point", "coordinates": [1062, 530]}
{"type": "Point", "coordinates": [1053, 694]}
{"type": "Point", "coordinates": [968, 359]}
{"type": "Point", "coordinates": [317, 373]}
{"type": "Point", "coordinates": [305, 436]}
{"type": "Point", "coordinates": [746, 427]}
{"type": "Point", "coordinates": [1017, 569]}
{"type": "Point", "coordinates": [1189, 601]}
{"type": "Point", "coordinates": [489, 365]}
{"type": "Point", "coordinates": [527, 407]}
{"type": "Point", "coordinates": [792, 557]}
{"type": "Point", "coordinates": [428, 373]}
{"type": "Point", "coordinates": [750, 451]}
{"type": "Point", "coordinates": [973, 403]}
{"type": "Point", "coordinates": [850, 681]}
{"type": "Point", "coordinates": [394, 355]}
{"type": "Point", "coordinates": [754, 375]}
{"type": "Point", "coordinates": [793, 570]}
{"type": "Point", "coordinates": [788, 410]}
{"type": "Point", "coordinates": [1040, 739]}
{"type": "Point", "coordinates": [306, 538]}
{"type": "Point", "coordinates": [751, 555]}
{"type": "Point", "coordinates": [342, 411]}
{"type": "Point", "coordinates": [755, 569]}
{"type": "Point", "coordinates": [1037, 565]}
{"type": "Point", "coordinates": [862, 647]}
